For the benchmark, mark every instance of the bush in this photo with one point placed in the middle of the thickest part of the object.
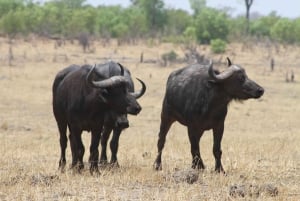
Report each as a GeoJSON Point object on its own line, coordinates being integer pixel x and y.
{"type": "Point", "coordinates": [218, 46]}
{"type": "Point", "coordinates": [169, 57]}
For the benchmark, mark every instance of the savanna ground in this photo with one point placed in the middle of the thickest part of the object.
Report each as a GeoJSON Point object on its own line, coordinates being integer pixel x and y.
{"type": "Point", "coordinates": [260, 144]}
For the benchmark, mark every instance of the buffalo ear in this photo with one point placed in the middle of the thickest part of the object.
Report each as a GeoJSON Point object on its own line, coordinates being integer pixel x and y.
{"type": "Point", "coordinates": [229, 62]}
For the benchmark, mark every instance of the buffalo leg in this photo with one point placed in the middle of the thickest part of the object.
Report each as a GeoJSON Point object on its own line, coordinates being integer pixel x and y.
{"type": "Point", "coordinates": [218, 134]}
{"type": "Point", "coordinates": [94, 153]}
{"type": "Point", "coordinates": [104, 138]}
{"type": "Point", "coordinates": [62, 126]}
{"type": "Point", "coordinates": [194, 137]}
{"type": "Point", "coordinates": [114, 145]}
{"type": "Point", "coordinates": [165, 125]}
{"type": "Point", "coordinates": [77, 148]}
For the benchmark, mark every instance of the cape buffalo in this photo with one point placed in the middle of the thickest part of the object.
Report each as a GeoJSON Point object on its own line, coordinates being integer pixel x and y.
{"type": "Point", "coordinates": [82, 95]}
{"type": "Point", "coordinates": [197, 96]}
{"type": "Point", "coordinates": [113, 121]}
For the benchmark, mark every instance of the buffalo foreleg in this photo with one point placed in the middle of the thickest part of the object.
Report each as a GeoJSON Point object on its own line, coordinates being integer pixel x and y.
{"type": "Point", "coordinates": [77, 148]}
{"type": "Point", "coordinates": [218, 134]}
{"type": "Point", "coordinates": [194, 137]}
{"type": "Point", "coordinates": [104, 138]}
{"type": "Point", "coordinates": [94, 153]}
{"type": "Point", "coordinates": [114, 145]}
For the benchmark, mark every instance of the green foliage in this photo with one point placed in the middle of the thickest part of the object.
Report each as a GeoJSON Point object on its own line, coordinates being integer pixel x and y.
{"type": "Point", "coordinates": [178, 21]}
{"type": "Point", "coordinates": [155, 13]}
{"type": "Point", "coordinates": [211, 24]}
{"type": "Point", "coordinates": [7, 6]}
{"type": "Point", "coordinates": [197, 6]}
{"type": "Point", "coordinates": [70, 3]}
{"type": "Point", "coordinates": [262, 26]}
{"type": "Point", "coordinates": [169, 57]}
{"type": "Point", "coordinates": [142, 19]}
{"type": "Point", "coordinates": [218, 46]}
{"type": "Point", "coordinates": [190, 33]}
{"type": "Point", "coordinates": [284, 30]}
{"type": "Point", "coordinates": [12, 23]}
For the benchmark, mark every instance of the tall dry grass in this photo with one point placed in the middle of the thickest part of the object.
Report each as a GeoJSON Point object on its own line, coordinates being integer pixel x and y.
{"type": "Point", "coordinates": [260, 144]}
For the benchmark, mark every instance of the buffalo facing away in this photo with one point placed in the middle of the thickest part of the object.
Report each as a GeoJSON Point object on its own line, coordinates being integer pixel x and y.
{"type": "Point", "coordinates": [82, 96]}
{"type": "Point", "coordinates": [197, 96]}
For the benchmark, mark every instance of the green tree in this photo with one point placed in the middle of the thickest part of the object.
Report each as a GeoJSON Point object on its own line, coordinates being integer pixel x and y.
{"type": "Point", "coordinates": [190, 35]}
{"type": "Point", "coordinates": [263, 25]}
{"type": "Point", "coordinates": [12, 23]}
{"type": "Point", "coordinates": [10, 5]}
{"type": "Point", "coordinates": [211, 24]}
{"type": "Point", "coordinates": [136, 22]}
{"type": "Point", "coordinates": [69, 3]}
{"type": "Point", "coordinates": [284, 30]}
{"type": "Point", "coordinates": [178, 21]}
{"type": "Point", "coordinates": [107, 18]}
{"type": "Point", "coordinates": [197, 6]}
{"type": "Point", "coordinates": [155, 13]}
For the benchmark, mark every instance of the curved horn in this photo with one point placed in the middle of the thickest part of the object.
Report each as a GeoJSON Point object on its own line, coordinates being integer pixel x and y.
{"type": "Point", "coordinates": [228, 61]}
{"type": "Point", "coordinates": [219, 77]}
{"type": "Point", "coordinates": [122, 69]}
{"type": "Point", "coordinates": [89, 75]}
{"type": "Point", "coordinates": [110, 82]}
{"type": "Point", "coordinates": [141, 92]}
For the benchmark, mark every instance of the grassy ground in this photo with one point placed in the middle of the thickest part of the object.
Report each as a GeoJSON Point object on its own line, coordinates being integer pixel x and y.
{"type": "Point", "coordinates": [260, 144]}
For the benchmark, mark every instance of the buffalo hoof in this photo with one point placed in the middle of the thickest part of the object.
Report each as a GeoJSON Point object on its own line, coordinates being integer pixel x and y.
{"type": "Point", "coordinates": [220, 170]}
{"type": "Point", "coordinates": [114, 164]}
{"type": "Point", "coordinates": [61, 167]}
{"type": "Point", "coordinates": [77, 168]}
{"type": "Point", "coordinates": [103, 163]}
{"type": "Point", "coordinates": [94, 170]}
{"type": "Point", "coordinates": [198, 165]}
{"type": "Point", "coordinates": [157, 166]}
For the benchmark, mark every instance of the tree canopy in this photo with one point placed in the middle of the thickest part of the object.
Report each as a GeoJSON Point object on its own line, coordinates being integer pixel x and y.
{"type": "Point", "coordinates": [142, 19]}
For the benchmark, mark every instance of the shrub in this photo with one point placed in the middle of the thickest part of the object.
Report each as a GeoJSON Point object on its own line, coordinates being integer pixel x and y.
{"type": "Point", "coordinates": [169, 57]}
{"type": "Point", "coordinates": [218, 46]}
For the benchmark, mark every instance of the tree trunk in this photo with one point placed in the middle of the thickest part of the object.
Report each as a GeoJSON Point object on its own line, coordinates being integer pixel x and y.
{"type": "Point", "coordinates": [248, 4]}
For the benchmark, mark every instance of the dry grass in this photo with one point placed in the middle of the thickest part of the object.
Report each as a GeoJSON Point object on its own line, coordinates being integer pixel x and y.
{"type": "Point", "coordinates": [260, 145]}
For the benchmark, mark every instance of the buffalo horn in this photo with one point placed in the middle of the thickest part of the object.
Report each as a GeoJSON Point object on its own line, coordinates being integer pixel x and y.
{"type": "Point", "coordinates": [228, 61]}
{"type": "Point", "coordinates": [141, 92]}
{"type": "Point", "coordinates": [89, 75]}
{"type": "Point", "coordinates": [109, 82]}
{"type": "Point", "coordinates": [122, 69]}
{"type": "Point", "coordinates": [222, 76]}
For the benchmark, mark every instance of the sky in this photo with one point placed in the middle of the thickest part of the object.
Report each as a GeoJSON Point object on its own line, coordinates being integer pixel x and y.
{"type": "Point", "coordinates": [284, 8]}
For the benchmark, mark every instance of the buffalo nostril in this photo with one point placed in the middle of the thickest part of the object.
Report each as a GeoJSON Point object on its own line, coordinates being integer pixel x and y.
{"type": "Point", "coordinates": [138, 109]}
{"type": "Point", "coordinates": [261, 91]}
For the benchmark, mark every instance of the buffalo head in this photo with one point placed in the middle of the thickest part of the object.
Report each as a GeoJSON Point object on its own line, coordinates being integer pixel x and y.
{"type": "Point", "coordinates": [114, 92]}
{"type": "Point", "coordinates": [236, 82]}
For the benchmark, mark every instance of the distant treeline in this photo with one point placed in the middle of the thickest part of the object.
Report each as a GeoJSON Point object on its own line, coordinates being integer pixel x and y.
{"type": "Point", "coordinates": [141, 20]}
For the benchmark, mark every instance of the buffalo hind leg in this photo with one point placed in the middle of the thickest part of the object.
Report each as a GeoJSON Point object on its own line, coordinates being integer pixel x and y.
{"type": "Point", "coordinates": [218, 134]}
{"type": "Point", "coordinates": [165, 125]}
{"type": "Point", "coordinates": [104, 138]}
{"type": "Point", "coordinates": [194, 137]}
{"type": "Point", "coordinates": [114, 145]}
{"type": "Point", "coordinates": [62, 126]}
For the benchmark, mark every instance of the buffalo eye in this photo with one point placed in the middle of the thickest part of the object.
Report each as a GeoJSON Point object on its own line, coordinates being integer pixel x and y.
{"type": "Point", "coordinates": [242, 78]}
